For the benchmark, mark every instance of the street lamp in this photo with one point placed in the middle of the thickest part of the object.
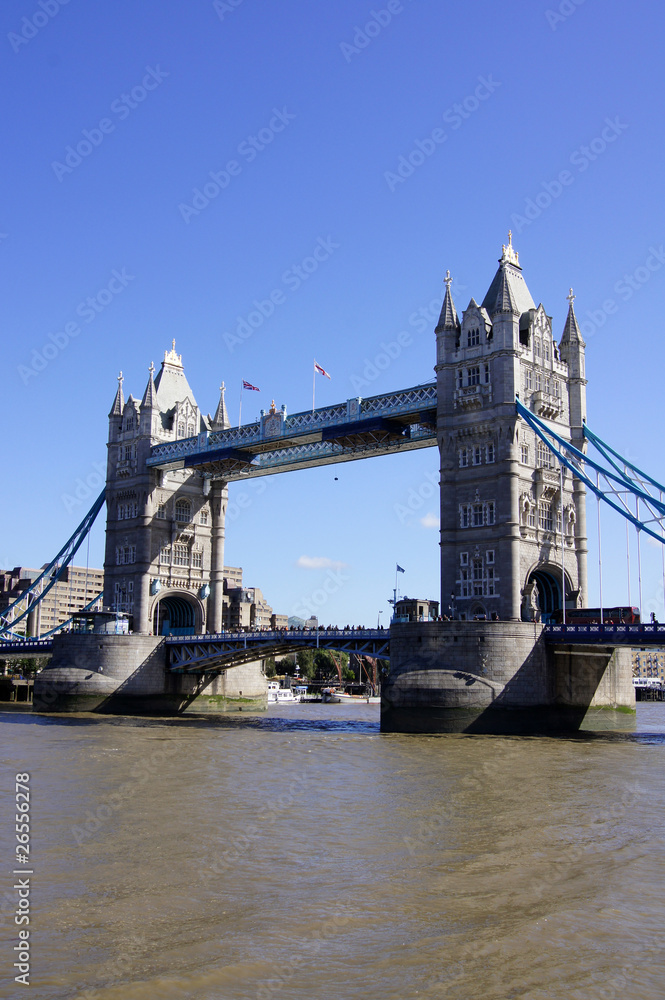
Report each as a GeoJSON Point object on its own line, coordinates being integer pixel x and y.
{"type": "Point", "coordinates": [452, 605]}
{"type": "Point", "coordinates": [378, 619]}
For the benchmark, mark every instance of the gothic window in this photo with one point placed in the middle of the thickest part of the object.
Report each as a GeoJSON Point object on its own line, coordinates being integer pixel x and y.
{"type": "Point", "coordinates": [125, 554]}
{"type": "Point", "coordinates": [465, 515]}
{"type": "Point", "coordinates": [460, 378]}
{"type": "Point", "coordinates": [463, 458]}
{"type": "Point", "coordinates": [489, 557]}
{"type": "Point", "coordinates": [473, 337]}
{"type": "Point", "coordinates": [197, 559]}
{"type": "Point", "coordinates": [548, 386]}
{"type": "Point", "coordinates": [545, 515]}
{"type": "Point", "coordinates": [181, 429]}
{"type": "Point", "coordinates": [161, 511]}
{"type": "Point", "coordinates": [203, 515]}
{"type": "Point", "coordinates": [524, 454]}
{"type": "Point", "coordinates": [183, 511]}
{"type": "Point", "coordinates": [536, 347]}
{"type": "Point", "coordinates": [129, 423]}
{"type": "Point", "coordinates": [487, 374]}
{"type": "Point", "coordinates": [128, 452]}
{"type": "Point", "coordinates": [473, 375]}
{"type": "Point", "coordinates": [538, 386]}
{"type": "Point", "coordinates": [489, 453]}
{"type": "Point", "coordinates": [531, 517]}
{"type": "Point", "coordinates": [489, 512]}
{"type": "Point", "coordinates": [464, 558]}
{"type": "Point", "coordinates": [489, 581]}
{"type": "Point", "coordinates": [557, 388]}
{"type": "Point", "coordinates": [546, 350]}
{"type": "Point", "coordinates": [544, 456]}
{"type": "Point", "coordinates": [477, 455]}
{"type": "Point", "coordinates": [477, 578]}
{"type": "Point", "coordinates": [165, 555]}
{"type": "Point", "coordinates": [528, 379]}
{"type": "Point", "coordinates": [464, 589]}
{"type": "Point", "coordinates": [477, 515]}
{"type": "Point", "coordinates": [180, 554]}
{"type": "Point", "coordinates": [190, 430]}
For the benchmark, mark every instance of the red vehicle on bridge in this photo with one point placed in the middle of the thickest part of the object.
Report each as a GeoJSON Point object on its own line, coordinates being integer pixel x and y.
{"type": "Point", "coordinates": [591, 616]}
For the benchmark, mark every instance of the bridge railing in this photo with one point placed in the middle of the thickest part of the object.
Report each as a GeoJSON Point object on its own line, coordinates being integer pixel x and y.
{"type": "Point", "coordinates": [636, 635]}
{"type": "Point", "coordinates": [388, 404]}
{"type": "Point", "coordinates": [268, 635]}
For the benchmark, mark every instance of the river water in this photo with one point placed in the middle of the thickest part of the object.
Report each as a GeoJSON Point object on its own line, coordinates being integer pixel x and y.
{"type": "Point", "coordinates": [303, 854]}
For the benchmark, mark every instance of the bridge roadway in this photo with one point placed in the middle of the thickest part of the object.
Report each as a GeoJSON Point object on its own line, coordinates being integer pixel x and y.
{"type": "Point", "coordinates": [359, 428]}
{"type": "Point", "coordinates": [203, 653]}
{"type": "Point", "coordinates": [213, 651]}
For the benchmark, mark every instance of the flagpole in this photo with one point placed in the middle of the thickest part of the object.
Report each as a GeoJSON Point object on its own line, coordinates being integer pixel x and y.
{"type": "Point", "coordinates": [313, 383]}
{"type": "Point", "coordinates": [240, 410]}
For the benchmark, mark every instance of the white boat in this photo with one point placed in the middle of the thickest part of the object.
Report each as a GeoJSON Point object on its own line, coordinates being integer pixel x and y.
{"type": "Point", "coordinates": [357, 699]}
{"type": "Point", "coordinates": [281, 696]}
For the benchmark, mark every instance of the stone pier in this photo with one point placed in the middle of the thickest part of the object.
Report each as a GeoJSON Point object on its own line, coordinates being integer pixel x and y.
{"type": "Point", "coordinates": [502, 677]}
{"type": "Point", "coordinates": [128, 675]}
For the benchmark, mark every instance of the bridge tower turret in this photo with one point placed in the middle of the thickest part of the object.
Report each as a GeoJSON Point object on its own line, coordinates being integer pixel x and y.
{"type": "Point", "coordinates": [504, 520]}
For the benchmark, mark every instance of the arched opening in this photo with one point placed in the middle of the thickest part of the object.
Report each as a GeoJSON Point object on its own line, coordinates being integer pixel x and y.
{"type": "Point", "coordinates": [174, 615]}
{"type": "Point", "coordinates": [546, 590]}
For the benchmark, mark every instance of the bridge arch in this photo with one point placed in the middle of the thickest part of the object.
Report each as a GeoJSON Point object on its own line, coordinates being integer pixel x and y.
{"type": "Point", "coordinates": [541, 595]}
{"type": "Point", "coordinates": [176, 612]}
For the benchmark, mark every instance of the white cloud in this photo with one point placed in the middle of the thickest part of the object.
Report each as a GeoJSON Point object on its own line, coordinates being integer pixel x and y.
{"type": "Point", "coordinates": [430, 521]}
{"type": "Point", "coordinates": [318, 562]}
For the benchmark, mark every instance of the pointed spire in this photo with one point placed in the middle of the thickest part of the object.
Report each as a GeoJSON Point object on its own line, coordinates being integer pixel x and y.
{"type": "Point", "coordinates": [220, 422]}
{"type": "Point", "coordinates": [448, 319]}
{"type": "Point", "coordinates": [119, 401]}
{"type": "Point", "coordinates": [150, 394]}
{"type": "Point", "coordinates": [508, 291]}
{"type": "Point", "coordinates": [505, 299]}
{"type": "Point", "coordinates": [571, 331]}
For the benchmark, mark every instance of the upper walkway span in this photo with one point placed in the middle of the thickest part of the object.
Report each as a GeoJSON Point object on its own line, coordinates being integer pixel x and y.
{"type": "Point", "coordinates": [359, 428]}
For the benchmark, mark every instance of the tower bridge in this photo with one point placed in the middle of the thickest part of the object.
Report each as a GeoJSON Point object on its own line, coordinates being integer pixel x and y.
{"type": "Point", "coordinates": [507, 412]}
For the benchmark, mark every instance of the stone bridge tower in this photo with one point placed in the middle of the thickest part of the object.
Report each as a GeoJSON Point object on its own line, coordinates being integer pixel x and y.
{"type": "Point", "coordinates": [508, 532]}
{"type": "Point", "coordinates": [165, 530]}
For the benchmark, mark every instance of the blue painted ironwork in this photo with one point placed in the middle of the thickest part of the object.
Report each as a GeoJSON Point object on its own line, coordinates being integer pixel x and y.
{"type": "Point", "coordinates": [38, 590]}
{"type": "Point", "coordinates": [397, 421]}
{"type": "Point", "coordinates": [205, 653]}
{"type": "Point", "coordinates": [617, 482]}
{"type": "Point", "coordinates": [607, 635]}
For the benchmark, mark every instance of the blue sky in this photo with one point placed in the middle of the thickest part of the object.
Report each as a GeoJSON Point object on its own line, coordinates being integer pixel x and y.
{"type": "Point", "coordinates": [167, 93]}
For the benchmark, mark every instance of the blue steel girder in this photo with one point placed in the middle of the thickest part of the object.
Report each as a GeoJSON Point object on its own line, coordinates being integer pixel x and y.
{"type": "Point", "coordinates": [203, 653]}
{"type": "Point", "coordinates": [618, 484]}
{"type": "Point", "coordinates": [359, 428]}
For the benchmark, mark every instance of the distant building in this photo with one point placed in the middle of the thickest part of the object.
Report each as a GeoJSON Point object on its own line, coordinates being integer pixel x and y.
{"type": "Point", "coordinates": [411, 609]}
{"type": "Point", "coordinates": [75, 589]}
{"type": "Point", "coordinates": [649, 663]}
{"type": "Point", "coordinates": [246, 607]}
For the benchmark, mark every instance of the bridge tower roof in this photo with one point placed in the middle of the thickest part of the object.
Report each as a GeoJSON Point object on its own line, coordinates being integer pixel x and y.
{"type": "Point", "coordinates": [171, 382]}
{"type": "Point", "coordinates": [508, 291]}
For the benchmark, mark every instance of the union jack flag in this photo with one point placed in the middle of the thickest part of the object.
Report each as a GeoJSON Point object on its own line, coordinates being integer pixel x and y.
{"type": "Point", "coordinates": [248, 385]}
